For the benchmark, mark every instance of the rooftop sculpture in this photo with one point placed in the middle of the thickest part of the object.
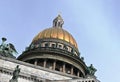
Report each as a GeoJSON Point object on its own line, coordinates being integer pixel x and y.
{"type": "Point", "coordinates": [91, 70]}
{"type": "Point", "coordinates": [7, 50]}
{"type": "Point", "coordinates": [15, 74]}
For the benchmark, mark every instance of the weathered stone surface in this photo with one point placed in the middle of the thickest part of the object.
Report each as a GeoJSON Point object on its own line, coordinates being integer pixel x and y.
{"type": "Point", "coordinates": [28, 71]}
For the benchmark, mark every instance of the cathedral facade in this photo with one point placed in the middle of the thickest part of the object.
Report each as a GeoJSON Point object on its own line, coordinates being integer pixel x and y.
{"type": "Point", "coordinates": [52, 56]}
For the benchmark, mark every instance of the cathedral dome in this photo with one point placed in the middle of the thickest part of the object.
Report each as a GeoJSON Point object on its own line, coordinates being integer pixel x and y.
{"type": "Point", "coordinates": [56, 49]}
{"type": "Point", "coordinates": [56, 33]}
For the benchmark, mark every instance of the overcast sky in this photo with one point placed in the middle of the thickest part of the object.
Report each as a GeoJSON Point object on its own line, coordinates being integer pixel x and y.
{"type": "Point", "coordinates": [95, 25]}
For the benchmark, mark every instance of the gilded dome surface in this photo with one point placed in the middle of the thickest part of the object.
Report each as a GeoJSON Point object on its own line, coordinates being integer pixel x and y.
{"type": "Point", "coordinates": [56, 33]}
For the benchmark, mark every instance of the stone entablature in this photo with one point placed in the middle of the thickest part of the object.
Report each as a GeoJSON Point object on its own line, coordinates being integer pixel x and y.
{"type": "Point", "coordinates": [87, 79]}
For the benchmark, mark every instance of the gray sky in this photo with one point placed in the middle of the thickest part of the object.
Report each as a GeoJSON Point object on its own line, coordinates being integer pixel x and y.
{"type": "Point", "coordinates": [95, 25]}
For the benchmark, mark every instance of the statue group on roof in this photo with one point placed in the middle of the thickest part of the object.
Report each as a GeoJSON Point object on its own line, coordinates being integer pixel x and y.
{"type": "Point", "coordinates": [7, 50]}
{"type": "Point", "coordinates": [91, 70]}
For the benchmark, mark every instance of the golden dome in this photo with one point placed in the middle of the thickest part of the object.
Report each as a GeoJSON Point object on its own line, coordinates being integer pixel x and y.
{"type": "Point", "coordinates": [56, 33]}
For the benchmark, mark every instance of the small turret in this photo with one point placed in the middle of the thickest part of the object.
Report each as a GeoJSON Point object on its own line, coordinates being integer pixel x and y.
{"type": "Point", "coordinates": [58, 22]}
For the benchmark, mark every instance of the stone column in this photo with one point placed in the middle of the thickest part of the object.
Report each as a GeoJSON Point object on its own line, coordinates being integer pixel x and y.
{"type": "Point", "coordinates": [63, 67]}
{"type": "Point", "coordinates": [78, 73]}
{"type": "Point", "coordinates": [71, 70]}
{"type": "Point", "coordinates": [35, 63]}
{"type": "Point", "coordinates": [54, 65]}
{"type": "Point", "coordinates": [45, 62]}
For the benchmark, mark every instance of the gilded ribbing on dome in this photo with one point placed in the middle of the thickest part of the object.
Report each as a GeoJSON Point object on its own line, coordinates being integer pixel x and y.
{"type": "Point", "coordinates": [56, 33]}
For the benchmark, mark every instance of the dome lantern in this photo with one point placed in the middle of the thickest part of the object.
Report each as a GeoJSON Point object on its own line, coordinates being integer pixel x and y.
{"type": "Point", "coordinates": [58, 22]}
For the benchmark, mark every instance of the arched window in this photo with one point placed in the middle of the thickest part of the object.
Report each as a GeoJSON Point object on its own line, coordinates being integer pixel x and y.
{"type": "Point", "coordinates": [53, 45]}
{"type": "Point", "coordinates": [46, 45]}
{"type": "Point", "coordinates": [65, 47]}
